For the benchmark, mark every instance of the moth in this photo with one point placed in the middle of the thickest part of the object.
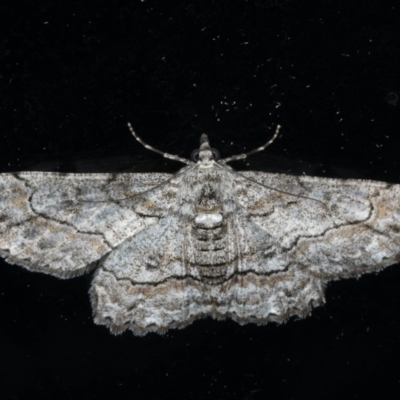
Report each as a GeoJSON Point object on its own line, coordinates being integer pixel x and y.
{"type": "Point", "coordinates": [206, 241]}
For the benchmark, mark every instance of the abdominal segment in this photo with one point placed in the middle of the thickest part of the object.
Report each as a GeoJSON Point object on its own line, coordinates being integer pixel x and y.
{"type": "Point", "coordinates": [209, 248]}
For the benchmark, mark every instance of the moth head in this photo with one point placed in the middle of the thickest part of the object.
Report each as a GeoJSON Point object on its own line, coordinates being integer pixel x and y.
{"type": "Point", "coordinates": [205, 154]}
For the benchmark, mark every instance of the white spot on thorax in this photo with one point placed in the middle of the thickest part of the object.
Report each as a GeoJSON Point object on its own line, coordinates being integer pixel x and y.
{"type": "Point", "coordinates": [208, 220]}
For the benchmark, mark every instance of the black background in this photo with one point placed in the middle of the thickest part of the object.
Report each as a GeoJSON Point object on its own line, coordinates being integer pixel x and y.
{"type": "Point", "coordinates": [73, 73]}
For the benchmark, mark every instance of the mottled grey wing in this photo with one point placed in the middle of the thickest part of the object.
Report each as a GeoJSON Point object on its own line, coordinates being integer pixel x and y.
{"type": "Point", "coordinates": [296, 233]}
{"type": "Point", "coordinates": [333, 228]}
{"type": "Point", "coordinates": [61, 224]}
{"type": "Point", "coordinates": [145, 284]}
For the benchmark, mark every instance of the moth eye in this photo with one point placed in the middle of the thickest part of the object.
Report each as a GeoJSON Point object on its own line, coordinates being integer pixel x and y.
{"type": "Point", "coordinates": [195, 155]}
{"type": "Point", "coordinates": [216, 154]}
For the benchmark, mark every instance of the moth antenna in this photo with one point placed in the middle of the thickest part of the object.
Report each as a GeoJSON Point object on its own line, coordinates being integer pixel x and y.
{"type": "Point", "coordinates": [262, 148]}
{"type": "Point", "coordinates": [147, 146]}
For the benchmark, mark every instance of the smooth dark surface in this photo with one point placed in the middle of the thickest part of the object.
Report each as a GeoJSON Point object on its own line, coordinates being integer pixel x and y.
{"type": "Point", "coordinates": [73, 74]}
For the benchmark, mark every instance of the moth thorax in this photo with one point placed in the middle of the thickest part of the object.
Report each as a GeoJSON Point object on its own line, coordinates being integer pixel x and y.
{"type": "Point", "coordinates": [208, 200]}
